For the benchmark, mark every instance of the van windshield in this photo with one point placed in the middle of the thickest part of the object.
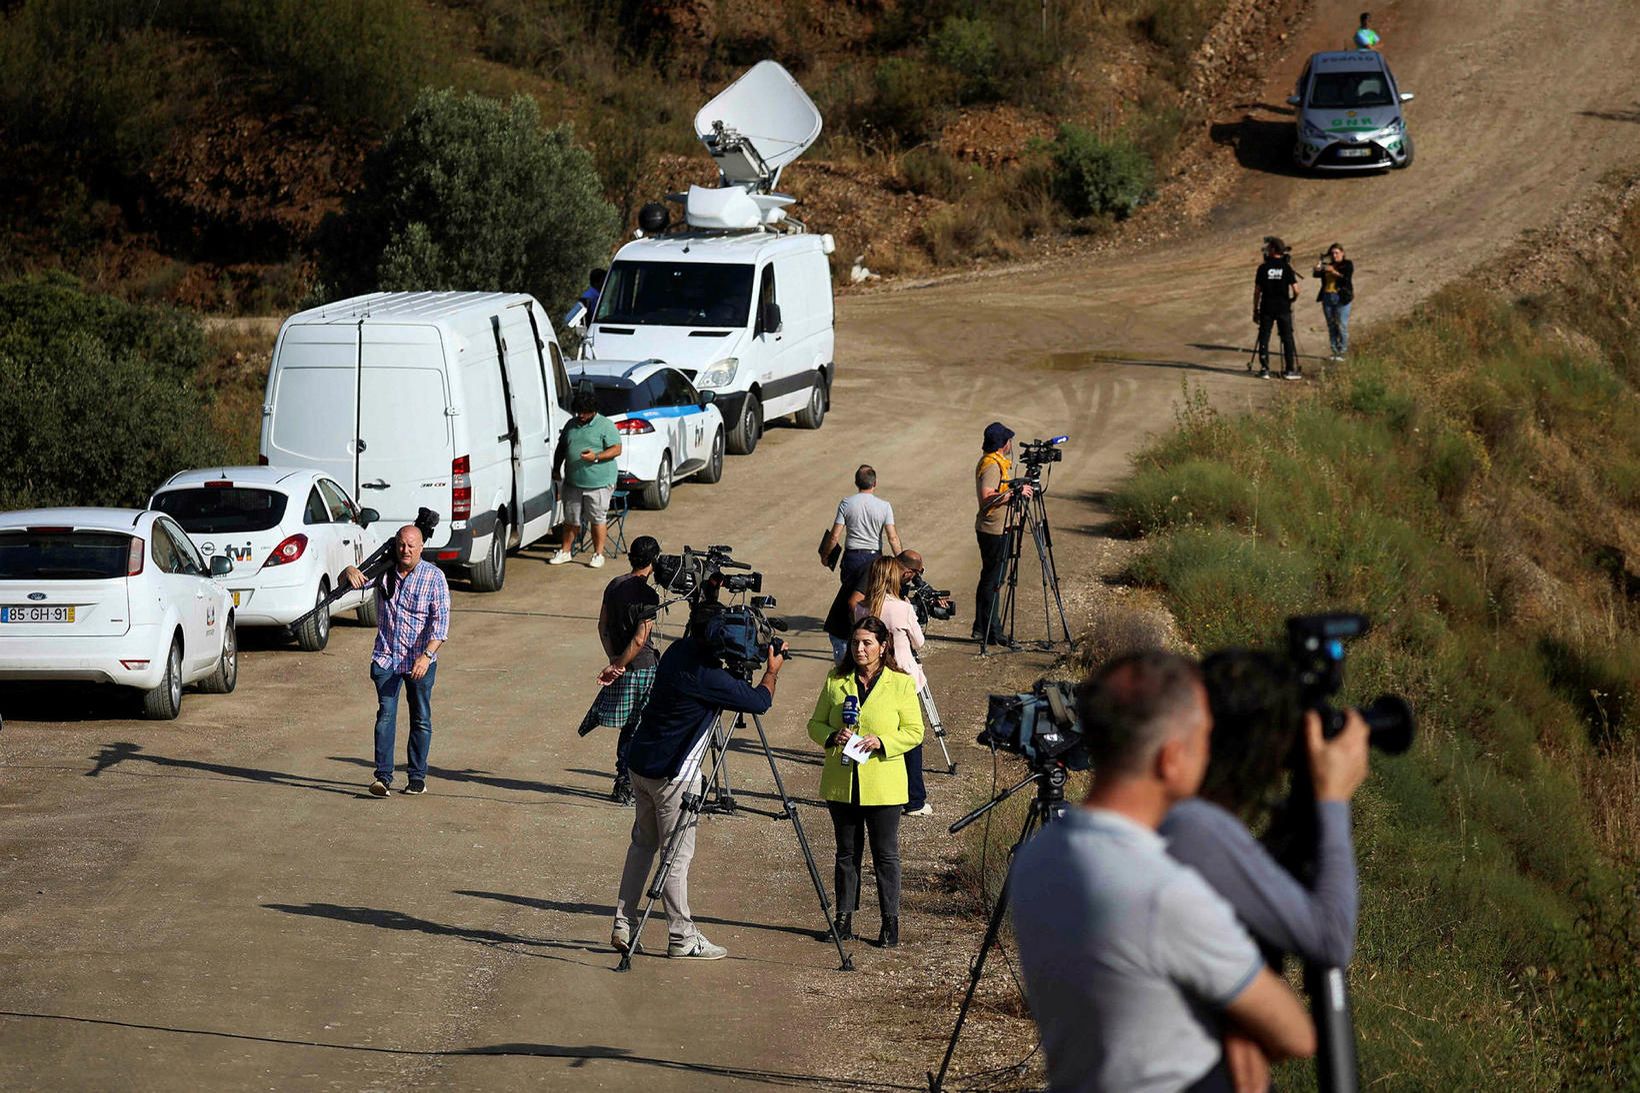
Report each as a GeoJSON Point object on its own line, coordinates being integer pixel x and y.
{"type": "Point", "coordinates": [217, 510]}
{"type": "Point", "coordinates": [1349, 90]}
{"type": "Point", "coordinates": [676, 294]}
{"type": "Point", "coordinates": [63, 555]}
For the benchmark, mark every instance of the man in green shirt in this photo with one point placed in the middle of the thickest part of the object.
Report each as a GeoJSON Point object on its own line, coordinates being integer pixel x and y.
{"type": "Point", "coordinates": [586, 460]}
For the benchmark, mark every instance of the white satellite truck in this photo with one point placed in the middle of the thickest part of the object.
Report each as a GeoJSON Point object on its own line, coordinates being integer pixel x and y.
{"type": "Point", "coordinates": [739, 298]}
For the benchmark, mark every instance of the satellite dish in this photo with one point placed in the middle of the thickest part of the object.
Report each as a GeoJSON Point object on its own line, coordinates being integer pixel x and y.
{"type": "Point", "coordinates": [757, 125]}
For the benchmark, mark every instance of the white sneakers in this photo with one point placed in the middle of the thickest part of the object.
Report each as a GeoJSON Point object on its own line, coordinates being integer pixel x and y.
{"type": "Point", "coordinates": [559, 558]}
{"type": "Point", "coordinates": [597, 560]}
{"type": "Point", "coordinates": [696, 948]}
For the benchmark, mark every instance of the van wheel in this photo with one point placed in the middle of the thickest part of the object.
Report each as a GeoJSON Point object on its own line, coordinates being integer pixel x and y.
{"type": "Point", "coordinates": [223, 680]}
{"type": "Point", "coordinates": [164, 702]}
{"type": "Point", "coordinates": [489, 574]}
{"type": "Point", "coordinates": [713, 471]}
{"type": "Point", "coordinates": [743, 437]}
{"type": "Point", "coordinates": [314, 634]}
{"type": "Point", "coordinates": [810, 416]}
{"type": "Point", "coordinates": [367, 608]}
{"type": "Point", "coordinates": [658, 494]}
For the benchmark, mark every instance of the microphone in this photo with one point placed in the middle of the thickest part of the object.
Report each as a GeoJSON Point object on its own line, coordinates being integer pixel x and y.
{"type": "Point", "coordinates": [851, 720]}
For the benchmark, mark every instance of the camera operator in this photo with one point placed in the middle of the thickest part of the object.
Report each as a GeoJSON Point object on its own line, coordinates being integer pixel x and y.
{"type": "Point", "coordinates": [1257, 723]}
{"type": "Point", "coordinates": [1275, 287]}
{"type": "Point", "coordinates": [691, 689]}
{"type": "Point", "coordinates": [863, 521]}
{"type": "Point", "coordinates": [629, 644]}
{"type": "Point", "coordinates": [991, 478]}
{"type": "Point", "coordinates": [1132, 963]}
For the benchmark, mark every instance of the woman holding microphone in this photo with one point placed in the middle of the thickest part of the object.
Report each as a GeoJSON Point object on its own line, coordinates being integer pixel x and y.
{"type": "Point", "coordinates": [868, 708]}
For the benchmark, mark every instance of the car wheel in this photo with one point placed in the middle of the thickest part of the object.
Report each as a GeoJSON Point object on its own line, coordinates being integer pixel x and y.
{"type": "Point", "coordinates": [314, 634]}
{"type": "Point", "coordinates": [810, 416]}
{"type": "Point", "coordinates": [658, 494]}
{"type": "Point", "coordinates": [1407, 162]}
{"type": "Point", "coordinates": [164, 702]}
{"type": "Point", "coordinates": [226, 677]}
{"type": "Point", "coordinates": [743, 437]}
{"type": "Point", "coordinates": [491, 573]}
{"type": "Point", "coordinates": [367, 608]}
{"type": "Point", "coordinates": [713, 471]}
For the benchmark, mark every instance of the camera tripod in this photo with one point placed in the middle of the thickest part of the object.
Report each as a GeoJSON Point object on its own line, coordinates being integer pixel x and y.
{"type": "Point", "coordinates": [695, 803]}
{"type": "Point", "coordinates": [1048, 805]}
{"type": "Point", "coordinates": [719, 795]}
{"type": "Point", "coordinates": [931, 715]}
{"type": "Point", "coordinates": [1029, 515]}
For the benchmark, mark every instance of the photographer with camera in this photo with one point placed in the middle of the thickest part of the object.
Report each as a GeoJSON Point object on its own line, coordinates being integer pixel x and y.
{"type": "Point", "coordinates": [867, 719]}
{"type": "Point", "coordinates": [629, 644]}
{"type": "Point", "coordinates": [991, 478]}
{"type": "Point", "coordinates": [692, 687]}
{"type": "Point", "coordinates": [1133, 965]}
{"type": "Point", "coordinates": [884, 603]}
{"type": "Point", "coordinates": [1275, 287]}
{"type": "Point", "coordinates": [1337, 292]}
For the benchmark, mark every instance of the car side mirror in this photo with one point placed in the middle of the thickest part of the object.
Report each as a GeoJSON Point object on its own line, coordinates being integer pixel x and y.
{"type": "Point", "coordinates": [221, 565]}
{"type": "Point", "coordinates": [1294, 100]}
{"type": "Point", "coordinates": [368, 517]}
{"type": "Point", "coordinates": [576, 317]}
{"type": "Point", "coordinates": [1406, 96]}
{"type": "Point", "coordinates": [707, 398]}
{"type": "Point", "coordinates": [771, 318]}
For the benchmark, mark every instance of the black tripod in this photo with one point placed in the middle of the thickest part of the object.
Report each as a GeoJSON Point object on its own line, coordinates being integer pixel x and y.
{"type": "Point", "coordinates": [1049, 804]}
{"type": "Point", "coordinates": [1029, 514]}
{"type": "Point", "coordinates": [720, 796]}
{"type": "Point", "coordinates": [694, 803]}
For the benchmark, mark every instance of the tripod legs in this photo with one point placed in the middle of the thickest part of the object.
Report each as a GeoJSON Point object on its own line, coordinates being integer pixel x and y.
{"type": "Point", "coordinates": [720, 796]}
{"type": "Point", "coordinates": [931, 715]}
{"type": "Point", "coordinates": [1030, 515]}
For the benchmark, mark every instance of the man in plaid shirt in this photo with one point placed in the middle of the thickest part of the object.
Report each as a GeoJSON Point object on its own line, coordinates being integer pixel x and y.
{"type": "Point", "coordinates": [630, 646]}
{"type": "Point", "coordinates": [412, 621]}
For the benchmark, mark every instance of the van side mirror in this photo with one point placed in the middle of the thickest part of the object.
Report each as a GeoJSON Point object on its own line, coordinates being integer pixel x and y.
{"type": "Point", "coordinates": [1406, 96]}
{"type": "Point", "coordinates": [368, 517]}
{"type": "Point", "coordinates": [707, 398]}
{"type": "Point", "coordinates": [221, 565]}
{"type": "Point", "coordinates": [1294, 100]}
{"type": "Point", "coordinates": [771, 318]}
{"type": "Point", "coordinates": [576, 317]}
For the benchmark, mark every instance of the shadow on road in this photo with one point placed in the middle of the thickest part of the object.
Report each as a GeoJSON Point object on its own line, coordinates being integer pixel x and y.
{"type": "Point", "coordinates": [1631, 115]}
{"type": "Point", "coordinates": [607, 912]}
{"type": "Point", "coordinates": [485, 778]}
{"type": "Point", "coordinates": [1260, 144]}
{"type": "Point", "coordinates": [110, 756]}
{"type": "Point", "coordinates": [398, 920]}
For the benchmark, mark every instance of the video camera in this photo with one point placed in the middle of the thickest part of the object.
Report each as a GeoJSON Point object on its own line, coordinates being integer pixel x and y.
{"type": "Point", "coordinates": [1041, 726]}
{"type": "Point", "coordinates": [742, 634]}
{"type": "Point", "coordinates": [930, 602]}
{"type": "Point", "coordinates": [698, 574]}
{"type": "Point", "coordinates": [1315, 646]}
{"type": "Point", "coordinates": [1034, 453]}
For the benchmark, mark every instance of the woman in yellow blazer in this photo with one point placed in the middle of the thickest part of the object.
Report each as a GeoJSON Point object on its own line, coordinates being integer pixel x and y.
{"type": "Point", "coordinates": [865, 798]}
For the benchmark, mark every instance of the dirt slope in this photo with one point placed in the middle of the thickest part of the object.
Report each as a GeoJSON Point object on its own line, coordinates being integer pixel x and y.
{"type": "Point", "coordinates": [215, 902]}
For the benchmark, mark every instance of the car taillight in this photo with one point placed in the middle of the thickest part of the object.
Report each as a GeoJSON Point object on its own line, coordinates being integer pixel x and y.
{"type": "Point", "coordinates": [133, 665]}
{"type": "Point", "coordinates": [461, 488]}
{"type": "Point", "coordinates": [633, 425]}
{"type": "Point", "coordinates": [287, 551]}
{"type": "Point", "coordinates": [133, 558]}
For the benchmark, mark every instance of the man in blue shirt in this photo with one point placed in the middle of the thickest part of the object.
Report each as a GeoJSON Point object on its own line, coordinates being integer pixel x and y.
{"type": "Point", "coordinates": [691, 688]}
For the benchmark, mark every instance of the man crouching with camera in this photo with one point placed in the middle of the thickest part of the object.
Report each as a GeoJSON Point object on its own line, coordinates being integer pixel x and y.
{"type": "Point", "coordinates": [1134, 967]}
{"type": "Point", "coordinates": [691, 688]}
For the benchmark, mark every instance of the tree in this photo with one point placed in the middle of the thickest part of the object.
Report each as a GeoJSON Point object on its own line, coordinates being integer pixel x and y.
{"type": "Point", "coordinates": [470, 193]}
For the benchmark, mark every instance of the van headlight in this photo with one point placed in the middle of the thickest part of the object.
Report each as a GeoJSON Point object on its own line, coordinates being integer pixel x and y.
{"type": "Point", "coordinates": [719, 373]}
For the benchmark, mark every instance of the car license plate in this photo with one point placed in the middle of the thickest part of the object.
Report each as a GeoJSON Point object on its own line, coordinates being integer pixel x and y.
{"type": "Point", "coordinates": [37, 614]}
{"type": "Point", "coordinates": [1356, 152]}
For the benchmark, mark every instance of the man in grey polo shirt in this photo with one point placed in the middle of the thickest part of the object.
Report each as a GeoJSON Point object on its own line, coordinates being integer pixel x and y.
{"type": "Point", "coordinates": [1134, 967]}
{"type": "Point", "coordinates": [863, 521]}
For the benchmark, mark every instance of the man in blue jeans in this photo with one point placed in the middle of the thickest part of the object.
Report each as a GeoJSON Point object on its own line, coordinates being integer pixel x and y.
{"type": "Point", "coordinates": [412, 621]}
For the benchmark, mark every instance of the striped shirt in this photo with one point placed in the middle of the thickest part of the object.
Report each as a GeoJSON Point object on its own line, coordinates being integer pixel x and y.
{"type": "Point", "coordinates": [416, 613]}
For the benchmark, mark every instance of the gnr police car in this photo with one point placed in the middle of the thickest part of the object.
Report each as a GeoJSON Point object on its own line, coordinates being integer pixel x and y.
{"type": "Point", "coordinates": [1349, 114]}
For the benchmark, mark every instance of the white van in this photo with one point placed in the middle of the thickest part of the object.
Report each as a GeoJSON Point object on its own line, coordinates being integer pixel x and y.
{"type": "Point", "coordinates": [740, 299]}
{"type": "Point", "coordinates": [451, 401]}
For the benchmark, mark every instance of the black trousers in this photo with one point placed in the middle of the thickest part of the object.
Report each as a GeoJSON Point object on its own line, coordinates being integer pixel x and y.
{"type": "Point", "coordinates": [1289, 349]}
{"type": "Point", "coordinates": [993, 561]}
{"type": "Point", "coordinates": [853, 824]}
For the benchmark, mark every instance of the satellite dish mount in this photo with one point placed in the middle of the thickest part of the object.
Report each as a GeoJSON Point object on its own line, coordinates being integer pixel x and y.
{"type": "Point", "coordinates": [753, 128]}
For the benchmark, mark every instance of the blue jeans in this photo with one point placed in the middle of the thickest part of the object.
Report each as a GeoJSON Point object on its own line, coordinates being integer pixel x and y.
{"type": "Point", "coordinates": [387, 719]}
{"type": "Point", "coordinates": [1338, 322]}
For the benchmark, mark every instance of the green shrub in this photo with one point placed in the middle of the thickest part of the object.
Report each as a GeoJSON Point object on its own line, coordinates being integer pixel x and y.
{"type": "Point", "coordinates": [968, 47]}
{"type": "Point", "coordinates": [931, 172]}
{"type": "Point", "coordinates": [1096, 177]}
{"type": "Point", "coordinates": [1597, 992]}
{"type": "Point", "coordinates": [98, 397]}
{"type": "Point", "coordinates": [471, 194]}
{"type": "Point", "coordinates": [907, 97]}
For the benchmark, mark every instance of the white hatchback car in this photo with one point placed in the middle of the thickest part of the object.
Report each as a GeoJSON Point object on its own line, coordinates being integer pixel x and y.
{"type": "Point", "coordinates": [114, 596]}
{"type": "Point", "coordinates": [669, 430]}
{"type": "Point", "coordinates": [289, 534]}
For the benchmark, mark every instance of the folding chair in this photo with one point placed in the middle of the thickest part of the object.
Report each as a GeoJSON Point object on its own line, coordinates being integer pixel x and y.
{"type": "Point", "coordinates": [614, 527]}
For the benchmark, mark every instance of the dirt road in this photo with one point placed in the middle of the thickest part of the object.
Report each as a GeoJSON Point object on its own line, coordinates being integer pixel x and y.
{"type": "Point", "coordinates": [216, 902]}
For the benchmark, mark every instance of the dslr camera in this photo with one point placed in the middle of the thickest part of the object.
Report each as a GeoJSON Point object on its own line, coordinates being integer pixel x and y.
{"type": "Point", "coordinates": [1041, 726]}
{"type": "Point", "coordinates": [930, 602]}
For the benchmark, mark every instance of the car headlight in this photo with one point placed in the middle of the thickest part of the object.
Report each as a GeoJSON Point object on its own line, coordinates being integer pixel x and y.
{"type": "Point", "coordinates": [1312, 131]}
{"type": "Point", "coordinates": [719, 373]}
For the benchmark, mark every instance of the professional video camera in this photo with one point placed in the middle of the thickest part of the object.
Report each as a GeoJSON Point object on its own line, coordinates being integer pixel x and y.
{"type": "Point", "coordinates": [930, 602]}
{"type": "Point", "coordinates": [698, 574]}
{"type": "Point", "coordinates": [740, 634]}
{"type": "Point", "coordinates": [1315, 645]}
{"type": "Point", "coordinates": [1034, 453]}
{"type": "Point", "coordinates": [1042, 726]}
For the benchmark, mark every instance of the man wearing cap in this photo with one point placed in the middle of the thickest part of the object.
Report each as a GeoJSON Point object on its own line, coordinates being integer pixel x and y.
{"type": "Point", "coordinates": [991, 485]}
{"type": "Point", "coordinates": [586, 457]}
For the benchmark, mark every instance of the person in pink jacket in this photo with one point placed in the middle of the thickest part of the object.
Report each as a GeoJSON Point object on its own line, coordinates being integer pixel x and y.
{"type": "Point", "coordinates": [900, 617]}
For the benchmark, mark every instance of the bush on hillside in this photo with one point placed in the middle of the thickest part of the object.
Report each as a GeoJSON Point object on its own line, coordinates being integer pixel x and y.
{"type": "Point", "coordinates": [1097, 177]}
{"type": "Point", "coordinates": [471, 193]}
{"type": "Point", "coordinates": [968, 47]}
{"type": "Point", "coordinates": [97, 395]}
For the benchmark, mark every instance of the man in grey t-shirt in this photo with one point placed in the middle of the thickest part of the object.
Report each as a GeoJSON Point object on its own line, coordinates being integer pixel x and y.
{"type": "Point", "coordinates": [863, 521]}
{"type": "Point", "coordinates": [1133, 966]}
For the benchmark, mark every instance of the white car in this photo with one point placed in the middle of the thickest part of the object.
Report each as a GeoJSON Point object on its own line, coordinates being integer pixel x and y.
{"type": "Point", "coordinates": [289, 533]}
{"type": "Point", "coordinates": [669, 430]}
{"type": "Point", "coordinates": [114, 596]}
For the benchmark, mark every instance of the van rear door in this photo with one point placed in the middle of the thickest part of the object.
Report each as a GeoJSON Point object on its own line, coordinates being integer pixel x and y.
{"type": "Point", "coordinates": [404, 437]}
{"type": "Point", "coordinates": [530, 422]}
{"type": "Point", "coordinates": [313, 406]}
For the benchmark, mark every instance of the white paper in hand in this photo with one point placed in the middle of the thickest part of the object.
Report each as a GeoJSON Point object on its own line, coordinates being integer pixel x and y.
{"type": "Point", "coordinates": [855, 749]}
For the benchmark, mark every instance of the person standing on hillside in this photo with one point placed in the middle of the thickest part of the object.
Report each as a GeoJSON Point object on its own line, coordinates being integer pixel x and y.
{"type": "Point", "coordinates": [863, 521]}
{"type": "Point", "coordinates": [1337, 275]}
{"type": "Point", "coordinates": [587, 449]}
{"type": "Point", "coordinates": [1275, 287]}
{"type": "Point", "coordinates": [1365, 36]}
